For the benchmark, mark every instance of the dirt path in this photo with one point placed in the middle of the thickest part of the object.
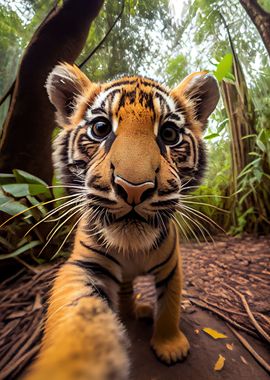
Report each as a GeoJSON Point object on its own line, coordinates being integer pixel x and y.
{"type": "Point", "coordinates": [239, 364]}
{"type": "Point", "coordinates": [243, 264]}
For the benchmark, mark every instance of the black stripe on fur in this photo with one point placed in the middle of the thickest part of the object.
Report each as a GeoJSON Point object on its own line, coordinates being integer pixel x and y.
{"type": "Point", "coordinates": [101, 253]}
{"type": "Point", "coordinates": [95, 269]}
{"type": "Point", "coordinates": [99, 292]}
{"type": "Point", "coordinates": [166, 260]}
{"type": "Point", "coordinates": [165, 280]}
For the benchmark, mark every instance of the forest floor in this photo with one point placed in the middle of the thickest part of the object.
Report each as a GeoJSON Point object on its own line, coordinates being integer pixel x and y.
{"type": "Point", "coordinates": [227, 289]}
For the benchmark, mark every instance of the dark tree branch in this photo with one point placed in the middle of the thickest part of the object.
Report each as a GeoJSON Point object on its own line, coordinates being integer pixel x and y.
{"type": "Point", "coordinates": [90, 55]}
{"type": "Point", "coordinates": [260, 18]}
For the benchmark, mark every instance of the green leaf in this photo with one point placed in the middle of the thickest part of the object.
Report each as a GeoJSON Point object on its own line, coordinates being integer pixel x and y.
{"type": "Point", "coordinates": [261, 145]}
{"type": "Point", "coordinates": [254, 154]}
{"type": "Point", "coordinates": [21, 250]}
{"type": "Point", "coordinates": [24, 177]}
{"type": "Point", "coordinates": [211, 136]}
{"type": "Point", "coordinates": [19, 190]}
{"type": "Point", "coordinates": [37, 189]}
{"type": "Point", "coordinates": [12, 207]}
{"type": "Point", "coordinates": [16, 190]}
{"type": "Point", "coordinates": [4, 199]}
{"type": "Point", "coordinates": [58, 191]}
{"type": "Point", "coordinates": [7, 178]}
{"type": "Point", "coordinates": [224, 68]}
{"type": "Point", "coordinates": [222, 125]}
{"type": "Point", "coordinates": [248, 136]}
{"type": "Point", "coordinates": [258, 174]}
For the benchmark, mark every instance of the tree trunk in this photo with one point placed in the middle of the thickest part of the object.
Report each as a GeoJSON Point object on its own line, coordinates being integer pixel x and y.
{"type": "Point", "coordinates": [260, 18]}
{"type": "Point", "coordinates": [26, 139]}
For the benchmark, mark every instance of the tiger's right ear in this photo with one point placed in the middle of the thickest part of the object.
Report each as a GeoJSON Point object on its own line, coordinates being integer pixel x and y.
{"type": "Point", "coordinates": [65, 84]}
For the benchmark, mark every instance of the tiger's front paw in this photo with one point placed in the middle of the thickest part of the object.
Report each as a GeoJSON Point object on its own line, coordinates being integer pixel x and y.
{"type": "Point", "coordinates": [171, 350]}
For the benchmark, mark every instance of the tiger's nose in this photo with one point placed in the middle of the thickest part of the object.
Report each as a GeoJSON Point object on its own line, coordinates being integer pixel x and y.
{"type": "Point", "coordinates": [133, 193]}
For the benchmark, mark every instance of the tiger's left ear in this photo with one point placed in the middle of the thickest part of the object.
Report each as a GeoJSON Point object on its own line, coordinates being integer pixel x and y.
{"type": "Point", "coordinates": [202, 90]}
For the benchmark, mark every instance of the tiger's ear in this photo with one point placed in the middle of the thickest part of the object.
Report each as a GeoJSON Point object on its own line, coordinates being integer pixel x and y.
{"type": "Point", "coordinates": [65, 84]}
{"type": "Point", "coordinates": [202, 90]}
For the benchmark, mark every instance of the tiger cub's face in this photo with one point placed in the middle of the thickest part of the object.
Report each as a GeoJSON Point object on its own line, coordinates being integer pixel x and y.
{"type": "Point", "coordinates": [130, 147]}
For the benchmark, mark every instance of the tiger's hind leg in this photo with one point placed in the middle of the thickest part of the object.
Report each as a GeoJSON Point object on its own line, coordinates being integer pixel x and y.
{"type": "Point", "coordinates": [144, 296]}
{"type": "Point", "coordinates": [84, 338]}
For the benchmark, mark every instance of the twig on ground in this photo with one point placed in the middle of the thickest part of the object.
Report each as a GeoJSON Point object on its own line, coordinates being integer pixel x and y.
{"type": "Point", "coordinates": [28, 355]}
{"type": "Point", "coordinates": [230, 311]}
{"type": "Point", "coordinates": [257, 326]}
{"type": "Point", "coordinates": [223, 316]}
{"type": "Point", "coordinates": [250, 349]}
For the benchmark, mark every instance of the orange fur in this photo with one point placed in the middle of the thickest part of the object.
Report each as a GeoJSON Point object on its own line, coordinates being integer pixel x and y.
{"type": "Point", "coordinates": [84, 339]}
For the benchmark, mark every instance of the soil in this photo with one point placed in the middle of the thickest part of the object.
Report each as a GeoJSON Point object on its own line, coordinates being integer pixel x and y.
{"type": "Point", "coordinates": [205, 350]}
{"type": "Point", "coordinates": [227, 284]}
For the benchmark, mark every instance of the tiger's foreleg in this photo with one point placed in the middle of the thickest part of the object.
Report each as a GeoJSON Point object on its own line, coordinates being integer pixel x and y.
{"type": "Point", "coordinates": [84, 340]}
{"type": "Point", "coordinates": [168, 341]}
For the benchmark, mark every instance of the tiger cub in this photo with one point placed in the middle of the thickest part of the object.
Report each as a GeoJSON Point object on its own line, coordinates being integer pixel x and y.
{"type": "Point", "coordinates": [126, 151]}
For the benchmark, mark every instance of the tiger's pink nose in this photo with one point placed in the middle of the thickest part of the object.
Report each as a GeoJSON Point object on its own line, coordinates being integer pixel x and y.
{"type": "Point", "coordinates": [131, 192]}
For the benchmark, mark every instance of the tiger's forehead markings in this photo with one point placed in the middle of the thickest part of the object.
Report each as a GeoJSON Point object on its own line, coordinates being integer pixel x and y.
{"type": "Point", "coordinates": [137, 91]}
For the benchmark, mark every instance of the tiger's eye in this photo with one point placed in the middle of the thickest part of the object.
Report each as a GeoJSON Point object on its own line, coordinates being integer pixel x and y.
{"type": "Point", "coordinates": [169, 134]}
{"type": "Point", "coordinates": [99, 130]}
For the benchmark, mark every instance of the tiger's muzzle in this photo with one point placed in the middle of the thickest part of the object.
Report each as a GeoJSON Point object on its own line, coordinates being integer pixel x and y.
{"type": "Point", "coordinates": [133, 193]}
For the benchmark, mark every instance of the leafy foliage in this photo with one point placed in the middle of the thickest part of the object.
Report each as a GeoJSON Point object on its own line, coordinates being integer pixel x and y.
{"type": "Point", "coordinates": [31, 213]}
{"type": "Point", "coordinates": [149, 40]}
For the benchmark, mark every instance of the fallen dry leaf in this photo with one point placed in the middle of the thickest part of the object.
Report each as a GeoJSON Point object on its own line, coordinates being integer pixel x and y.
{"type": "Point", "coordinates": [230, 346]}
{"type": "Point", "coordinates": [219, 363]}
{"type": "Point", "coordinates": [243, 360]}
{"type": "Point", "coordinates": [213, 333]}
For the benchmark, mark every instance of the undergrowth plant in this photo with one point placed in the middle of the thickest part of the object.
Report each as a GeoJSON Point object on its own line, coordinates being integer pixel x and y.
{"type": "Point", "coordinates": [30, 216]}
{"type": "Point", "coordinates": [253, 206]}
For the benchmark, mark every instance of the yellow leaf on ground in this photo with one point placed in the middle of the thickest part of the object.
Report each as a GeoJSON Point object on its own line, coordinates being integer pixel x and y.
{"type": "Point", "coordinates": [219, 363]}
{"type": "Point", "coordinates": [213, 333]}
{"type": "Point", "coordinates": [230, 346]}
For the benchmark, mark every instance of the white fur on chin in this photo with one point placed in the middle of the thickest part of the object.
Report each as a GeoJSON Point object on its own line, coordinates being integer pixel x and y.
{"type": "Point", "coordinates": [131, 237]}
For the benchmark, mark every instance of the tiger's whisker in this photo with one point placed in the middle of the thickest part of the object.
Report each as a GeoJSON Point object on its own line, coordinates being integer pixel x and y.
{"type": "Point", "coordinates": [67, 187]}
{"type": "Point", "coordinates": [205, 204]}
{"type": "Point", "coordinates": [200, 215]}
{"type": "Point", "coordinates": [176, 221]}
{"type": "Point", "coordinates": [199, 226]}
{"type": "Point", "coordinates": [57, 229]}
{"type": "Point", "coordinates": [183, 216]}
{"type": "Point", "coordinates": [49, 215]}
{"type": "Point", "coordinates": [75, 201]}
{"type": "Point", "coordinates": [34, 206]}
{"type": "Point", "coordinates": [194, 196]}
{"type": "Point", "coordinates": [66, 213]}
{"type": "Point", "coordinates": [70, 232]}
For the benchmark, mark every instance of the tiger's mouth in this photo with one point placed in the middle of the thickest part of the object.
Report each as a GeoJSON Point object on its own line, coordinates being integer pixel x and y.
{"type": "Point", "coordinates": [134, 219]}
{"type": "Point", "coordinates": [132, 216]}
